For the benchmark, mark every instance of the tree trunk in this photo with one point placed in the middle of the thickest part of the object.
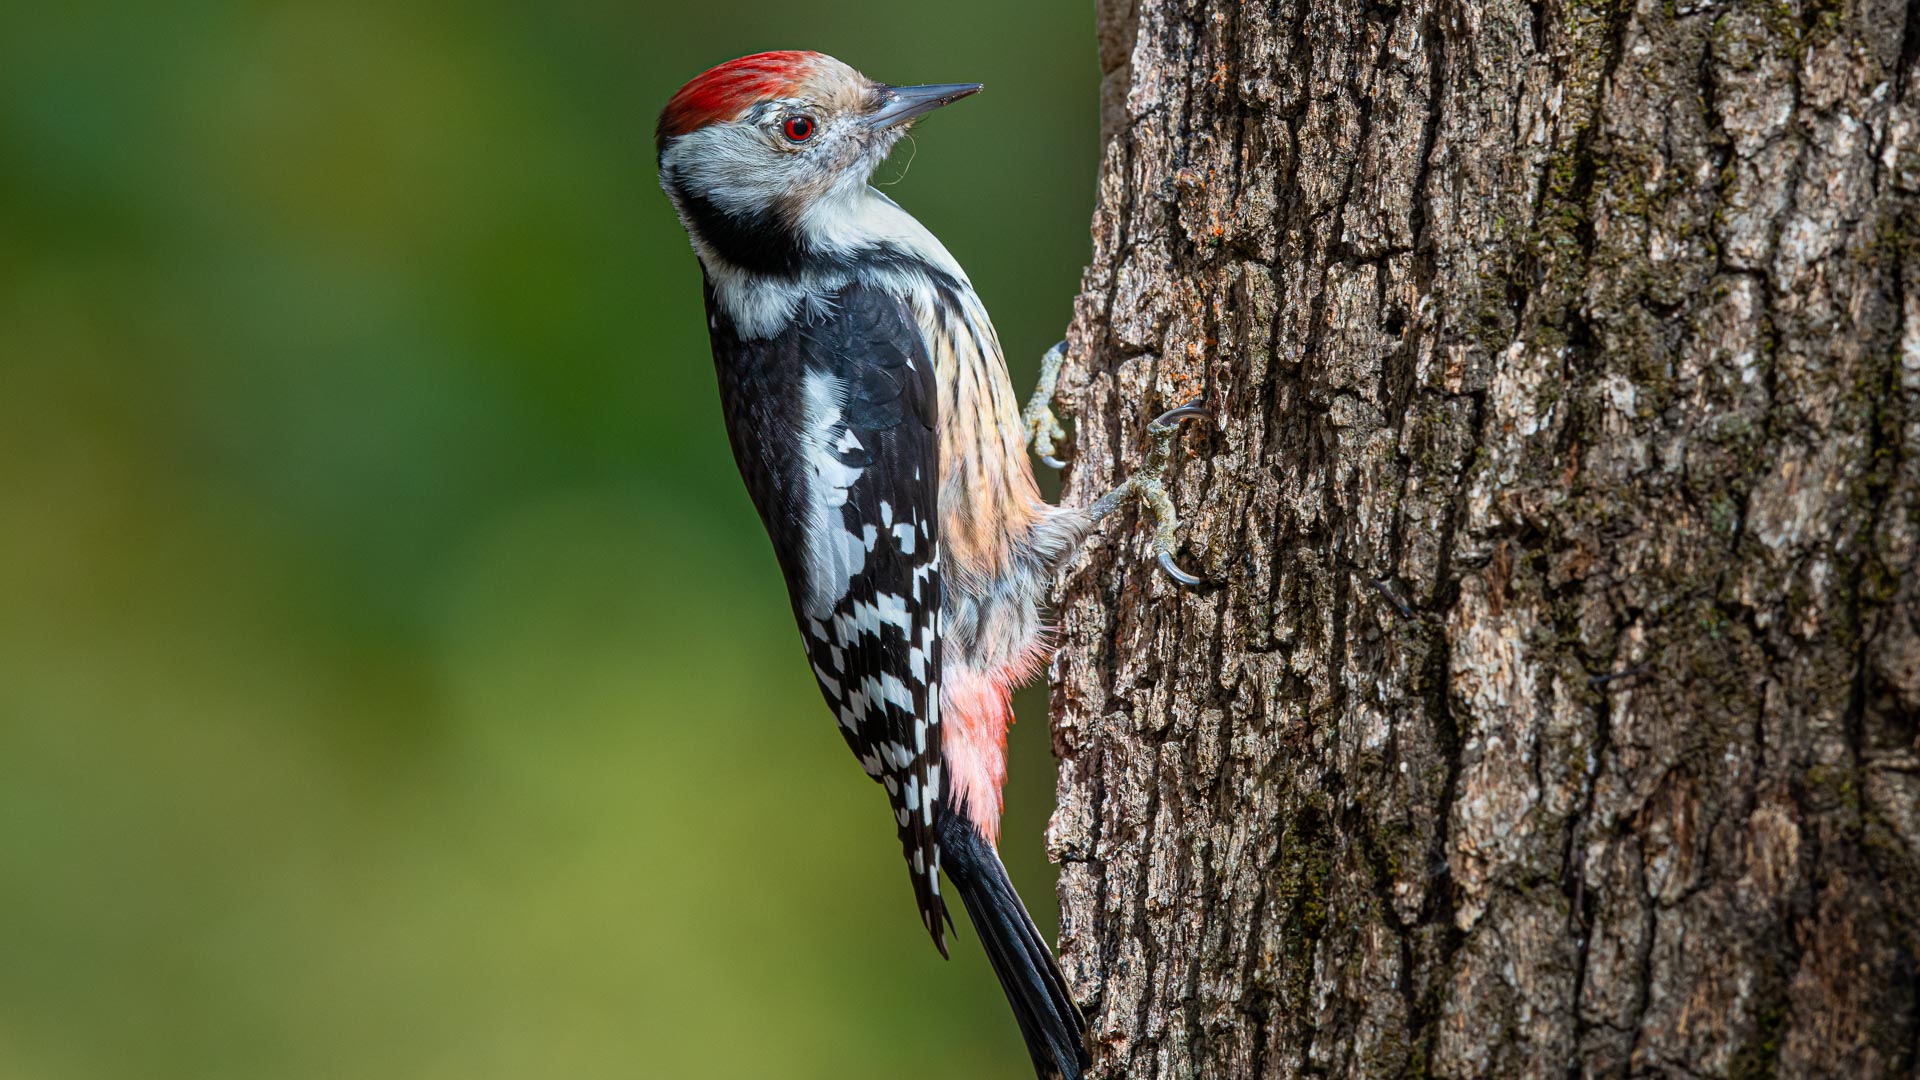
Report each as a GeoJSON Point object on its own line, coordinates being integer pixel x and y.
{"type": "Point", "coordinates": [1550, 704]}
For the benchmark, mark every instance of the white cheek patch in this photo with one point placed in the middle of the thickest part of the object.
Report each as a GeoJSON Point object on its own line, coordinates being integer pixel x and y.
{"type": "Point", "coordinates": [730, 165]}
{"type": "Point", "coordinates": [735, 167]}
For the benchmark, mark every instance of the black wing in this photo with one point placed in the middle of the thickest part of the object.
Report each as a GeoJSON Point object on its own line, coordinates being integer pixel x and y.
{"type": "Point", "coordinates": [833, 427]}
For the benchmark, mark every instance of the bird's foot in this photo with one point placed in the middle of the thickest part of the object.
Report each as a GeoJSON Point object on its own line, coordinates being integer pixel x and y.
{"type": "Point", "coordinates": [1042, 426]}
{"type": "Point", "coordinates": [1149, 487]}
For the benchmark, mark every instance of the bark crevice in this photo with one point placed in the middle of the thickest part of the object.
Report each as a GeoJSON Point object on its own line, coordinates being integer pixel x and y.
{"type": "Point", "coordinates": [1551, 705]}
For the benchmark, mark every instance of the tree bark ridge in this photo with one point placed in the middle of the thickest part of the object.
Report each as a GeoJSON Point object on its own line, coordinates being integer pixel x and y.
{"type": "Point", "coordinates": [1551, 705]}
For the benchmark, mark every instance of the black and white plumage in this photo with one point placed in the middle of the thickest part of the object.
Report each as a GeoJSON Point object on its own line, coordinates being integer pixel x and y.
{"type": "Point", "coordinates": [833, 424]}
{"type": "Point", "coordinates": [870, 413]}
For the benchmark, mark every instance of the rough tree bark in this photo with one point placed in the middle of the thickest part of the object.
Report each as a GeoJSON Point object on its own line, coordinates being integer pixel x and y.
{"type": "Point", "coordinates": [1550, 707]}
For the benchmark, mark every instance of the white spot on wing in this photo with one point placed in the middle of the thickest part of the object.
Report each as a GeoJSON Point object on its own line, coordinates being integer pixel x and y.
{"type": "Point", "coordinates": [893, 609]}
{"type": "Point", "coordinates": [886, 688]}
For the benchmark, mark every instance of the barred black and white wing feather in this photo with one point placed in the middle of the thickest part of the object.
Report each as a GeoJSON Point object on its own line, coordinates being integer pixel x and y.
{"type": "Point", "coordinates": [833, 424]}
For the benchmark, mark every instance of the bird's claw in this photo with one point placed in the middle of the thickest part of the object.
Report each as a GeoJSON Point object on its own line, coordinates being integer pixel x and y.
{"type": "Point", "coordinates": [1173, 570]}
{"type": "Point", "coordinates": [1042, 426]}
{"type": "Point", "coordinates": [1192, 410]}
{"type": "Point", "coordinates": [1147, 486]}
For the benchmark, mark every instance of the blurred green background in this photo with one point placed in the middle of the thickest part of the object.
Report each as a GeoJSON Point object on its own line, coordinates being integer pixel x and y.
{"type": "Point", "coordinates": [394, 678]}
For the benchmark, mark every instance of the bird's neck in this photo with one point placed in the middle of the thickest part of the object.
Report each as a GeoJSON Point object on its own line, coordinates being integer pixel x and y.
{"type": "Point", "coordinates": [857, 220]}
{"type": "Point", "coordinates": [768, 270]}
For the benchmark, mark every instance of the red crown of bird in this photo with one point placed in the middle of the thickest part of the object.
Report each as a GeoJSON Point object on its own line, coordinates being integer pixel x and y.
{"type": "Point", "coordinates": [722, 93]}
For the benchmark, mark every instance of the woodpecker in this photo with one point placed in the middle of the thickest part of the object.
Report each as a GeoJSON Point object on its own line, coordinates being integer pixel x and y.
{"type": "Point", "coordinates": [871, 416]}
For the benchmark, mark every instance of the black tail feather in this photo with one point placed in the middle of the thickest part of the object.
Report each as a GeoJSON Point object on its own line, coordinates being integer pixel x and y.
{"type": "Point", "coordinates": [1055, 1033]}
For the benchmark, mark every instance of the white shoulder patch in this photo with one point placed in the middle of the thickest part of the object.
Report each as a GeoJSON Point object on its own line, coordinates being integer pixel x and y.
{"type": "Point", "coordinates": [834, 555]}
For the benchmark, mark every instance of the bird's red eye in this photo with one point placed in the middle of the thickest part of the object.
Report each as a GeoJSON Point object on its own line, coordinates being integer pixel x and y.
{"type": "Point", "coordinates": [799, 128]}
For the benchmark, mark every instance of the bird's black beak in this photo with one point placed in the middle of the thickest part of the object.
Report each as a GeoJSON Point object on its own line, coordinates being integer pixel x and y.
{"type": "Point", "coordinates": [901, 104]}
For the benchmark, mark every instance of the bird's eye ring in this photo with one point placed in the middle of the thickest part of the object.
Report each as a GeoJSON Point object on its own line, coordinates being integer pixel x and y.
{"type": "Point", "coordinates": [799, 128]}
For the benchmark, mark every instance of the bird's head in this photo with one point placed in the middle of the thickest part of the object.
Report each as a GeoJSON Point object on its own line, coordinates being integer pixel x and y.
{"type": "Point", "coordinates": [759, 151]}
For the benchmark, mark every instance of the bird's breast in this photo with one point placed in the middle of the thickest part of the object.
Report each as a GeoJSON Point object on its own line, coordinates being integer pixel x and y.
{"type": "Point", "coordinates": [989, 502]}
